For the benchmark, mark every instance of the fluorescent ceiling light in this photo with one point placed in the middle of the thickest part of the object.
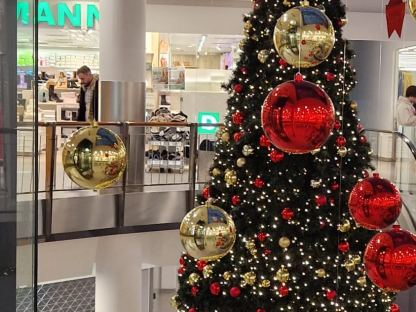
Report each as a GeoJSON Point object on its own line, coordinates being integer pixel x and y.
{"type": "Point", "coordinates": [201, 43]}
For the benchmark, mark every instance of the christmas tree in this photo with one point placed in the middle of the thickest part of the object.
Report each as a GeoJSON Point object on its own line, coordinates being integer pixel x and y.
{"type": "Point", "coordinates": [297, 247]}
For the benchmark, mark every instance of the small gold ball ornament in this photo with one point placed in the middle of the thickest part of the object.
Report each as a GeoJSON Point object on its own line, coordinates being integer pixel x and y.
{"type": "Point", "coordinates": [250, 278]}
{"type": "Point", "coordinates": [207, 233]}
{"type": "Point", "coordinates": [230, 177]}
{"type": "Point", "coordinates": [362, 281]}
{"type": "Point", "coordinates": [174, 302]}
{"type": "Point", "coordinates": [216, 172]}
{"type": "Point", "coordinates": [349, 265]}
{"type": "Point", "coordinates": [345, 226]}
{"type": "Point", "coordinates": [193, 278]}
{"type": "Point", "coordinates": [343, 22]}
{"type": "Point", "coordinates": [284, 242]}
{"type": "Point", "coordinates": [315, 183]}
{"type": "Point", "coordinates": [265, 283]}
{"type": "Point", "coordinates": [242, 44]}
{"type": "Point", "coordinates": [320, 273]}
{"type": "Point", "coordinates": [282, 275]}
{"type": "Point", "coordinates": [225, 137]}
{"type": "Point", "coordinates": [356, 259]}
{"type": "Point", "coordinates": [263, 55]}
{"type": "Point", "coordinates": [250, 245]}
{"type": "Point", "coordinates": [354, 105]}
{"type": "Point", "coordinates": [241, 162]}
{"type": "Point", "coordinates": [227, 276]}
{"type": "Point", "coordinates": [342, 151]}
{"type": "Point", "coordinates": [207, 271]}
{"type": "Point", "coordinates": [247, 150]}
{"type": "Point", "coordinates": [94, 157]}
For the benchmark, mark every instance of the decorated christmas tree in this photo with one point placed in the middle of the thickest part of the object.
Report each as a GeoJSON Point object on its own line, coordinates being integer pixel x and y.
{"type": "Point", "coordinates": [286, 162]}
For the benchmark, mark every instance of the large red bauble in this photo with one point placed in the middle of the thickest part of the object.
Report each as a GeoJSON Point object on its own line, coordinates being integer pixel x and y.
{"type": "Point", "coordinates": [283, 291]}
{"type": "Point", "coordinates": [192, 310]}
{"type": "Point", "coordinates": [259, 183]}
{"type": "Point", "coordinates": [235, 292]}
{"type": "Point", "coordinates": [344, 247]}
{"type": "Point", "coordinates": [390, 260]}
{"type": "Point", "coordinates": [331, 294]}
{"type": "Point", "coordinates": [287, 214]}
{"type": "Point", "coordinates": [297, 117]}
{"type": "Point", "coordinates": [215, 288]}
{"type": "Point", "coordinates": [235, 200]}
{"type": "Point", "coordinates": [237, 118]}
{"type": "Point", "coordinates": [375, 203]}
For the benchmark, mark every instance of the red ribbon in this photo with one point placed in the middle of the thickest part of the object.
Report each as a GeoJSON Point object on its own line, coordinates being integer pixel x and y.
{"type": "Point", "coordinates": [395, 12]}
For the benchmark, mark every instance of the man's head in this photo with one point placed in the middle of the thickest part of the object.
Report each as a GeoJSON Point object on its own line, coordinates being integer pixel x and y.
{"type": "Point", "coordinates": [411, 94]}
{"type": "Point", "coordinates": [85, 75]}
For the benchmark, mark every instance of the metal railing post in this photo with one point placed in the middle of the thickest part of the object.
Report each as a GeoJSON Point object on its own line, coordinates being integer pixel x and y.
{"type": "Point", "coordinates": [193, 141]}
{"type": "Point", "coordinates": [49, 177]}
{"type": "Point", "coordinates": [125, 133]}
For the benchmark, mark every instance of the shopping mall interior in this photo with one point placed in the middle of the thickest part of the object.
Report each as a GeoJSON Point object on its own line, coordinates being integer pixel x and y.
{"type": "Point", "coordinates": [72, 242]}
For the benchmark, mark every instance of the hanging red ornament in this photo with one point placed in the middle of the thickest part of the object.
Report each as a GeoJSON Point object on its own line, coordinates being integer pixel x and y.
{"type": "Point", "coordinates": [237, 136]}
{"type": "Point", "coordinates": [260, 310]}
{"type": "Point", "coordinates": [282, 63]}
{"type": "Point", "coordinates": [194, 291]}
{"type": "Point", "coordinates": [182, 261]}
{"type": "Point", "coordinates": [363, 139]}
{"type": "Point", "coordinates": [261, 236]}
{"type": "Point", "coordinates": [344, 247]}
{"type": "Point", "coordinates": [375, 203]}
{"type": "Point", "coordinates": [365, 174]}
{"type": "Point", "coordinates": [360, 127]}
{"type": "Point", "coordinates": [320, 200]}
{"type": "Point", "coordinates": [264, 141]}
{"type": "Point", "coordinates": [181, 270]}
{"type": "Point", "coordinates": [331, 294]}
{"type": "Point", "coordinates": [238, 88]}
{"type": "Point", "coordinates": [337, 125]}
{"type": "Point", "coordinates": [244, 70]}
{"type": "Point", "coordinates": [341, 141]}
{"type": "Point", "coordinates": [205, 192]}
{"type": "Point", "coordinates": [287, 214]}
{"type": "Point", "coordinates": [201, 264]}
{"type": "Point", "coordinates": [192, 310]}
{"type": "Point", "coordinates": [322, 224]}
{"type": "Point", "coordinates": [276, 156]}
{"type": "Point", "coordinates": [235, 200]}
{"type": "Point", "coordinates": [390, 260]}
{"type": "Point", "coordinates": [329, 76]}
{"type": "Point", "coordinates": [283, 290]}
{"type": "Point", "coordinates": [259, 183]}
{"type": "Point", "coordinates": [215, 288]}
{"type": "Point", "coordinates": [332, 201]}
{"type": "Point", "coordinates": [237, 118]}
{"type": "Point", "coordinates": [297, 117]}
{"type": "Point", "coordinates": [334, 186]}
{"type": "Point", "coordinates": [267, 252]}
{"type": "Point", "coordinates": [235, 292]}
{"type": "Point", "coordinates": [394, 307]}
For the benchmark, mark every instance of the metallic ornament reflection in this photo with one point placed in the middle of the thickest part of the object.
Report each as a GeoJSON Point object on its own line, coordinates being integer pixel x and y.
{"type": "Point", "coordinates": [412, 8]}
{"type": "Point", "coordinates": [305, 35]}
{"type": "Point", "coordinates": [207, 233]}
{"type": "Point", "coordinates": [94, 157]}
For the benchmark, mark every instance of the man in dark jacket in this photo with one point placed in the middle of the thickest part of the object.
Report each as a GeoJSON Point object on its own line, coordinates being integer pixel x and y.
{"type": "Point", "coordinates": [88, 97]}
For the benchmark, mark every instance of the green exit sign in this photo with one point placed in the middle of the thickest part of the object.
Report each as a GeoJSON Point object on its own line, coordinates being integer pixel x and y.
{"type": "Point", "coordinates": [208, 118]}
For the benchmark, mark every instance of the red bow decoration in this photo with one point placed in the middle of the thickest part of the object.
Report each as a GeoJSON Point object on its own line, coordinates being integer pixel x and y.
{"type": "Point", "coordinates": [395, 12]}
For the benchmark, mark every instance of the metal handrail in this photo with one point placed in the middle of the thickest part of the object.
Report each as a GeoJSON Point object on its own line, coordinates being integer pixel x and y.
{"type": "Point", "coordinates": [403, 137]}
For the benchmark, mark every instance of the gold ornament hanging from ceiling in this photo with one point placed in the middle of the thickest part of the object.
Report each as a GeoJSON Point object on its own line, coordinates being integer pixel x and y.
{"type": "Point", "coordinates": [94, 157]}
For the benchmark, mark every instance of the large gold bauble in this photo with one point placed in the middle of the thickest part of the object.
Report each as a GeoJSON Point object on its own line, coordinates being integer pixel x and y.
{"type": "Point", "coordinates": [241, 162]}
{"type": "Point", "coordinates": [207, 233]}
{"type": "Point", "coordinates": [304, 35]}
{"type": "Point", "coordinates": [284, 242]}
{"type": "Point", "coordinates": [94, 157]}
{"type": "Point", "coordinates": [412, 8]}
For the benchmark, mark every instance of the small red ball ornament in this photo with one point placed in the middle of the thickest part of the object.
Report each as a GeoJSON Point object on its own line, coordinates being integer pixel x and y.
{"type": "Point", "coordinates": [237, 118]}
{"type": "Point", "coordinates": [244, 70]}
{"type": "Point", "coordinates": [365, 174]}
{"type": "Point", "coordinates": [261, 236]}
{"type": "Point", "coordinates": [287, 214]}
{"type": "Point", "coordinates": [394, 308]}
{"type": "Point", "coordinates": [329, 76]}
{"type": "Point", "coordinates": [259, 183]}
{"type": "Point", "coordinates": [237, 136]}
{"type": "Point", "coordinates": [337, 125]}
{"type": "Point", "coordinates": [283, 291]}
{"type": "Point", "coordinates": [298, 78]}
{"type": "Point", "coordinates": [192, 310]}
{"type": "Point", "coordinates": [182, 261]}
{"type": "Point", "coordinates": [215, 289]}
{"type": "Point", "coordinates": [297, 117]}
{"type": "Point", "coordinates": [235, 292]}
{"type": "Point", "coordinates": [238, 88]}
{"type": "Point", "coordinates": [322, 224]}
{"type": "Point", "coordinates": [390, 260]}
{"type": "Point", "coordinates": [201, 264]}
{"type": "Point", "coordinates": [360, 127]}
{"type": "Point", "coordinates": [194, 291]}
{"type": "Point", "coordinates": [344, 247]}
{"type": "Point", "coordinates": [334, 186]}
{"type": "Point", "coordinates": [321, 200]}
{"type": "Point", "coordinates": [267, 252]}
{"type": "Point", "coordinates": [264, 141]}
{"type": "Point", "coordinates": [181, 270]}
{"type": "Point", "coordinates": [282, 63]}
{"type": "Point", "coordinates": [341, 141]}
{"type": "Point", "coordinates": [276, 156]}
{"type": "Point", "coordinates": [331, 294]}
{"type": "Point", "coordinates": [363, 139]}
{"type": "Point", "coordinates": [235, 200]}
{"type": "Point", "coordinates": [375, 203]}
{"type": "Point", "coordinates": [205, 192]}
{"type": "Point", "coordinates": [260, 310]}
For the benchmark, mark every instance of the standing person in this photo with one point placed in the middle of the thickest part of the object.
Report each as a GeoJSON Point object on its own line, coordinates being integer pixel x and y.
{"type": "Point", "coordinates": [88, 98]}
{"type": "Point", "coordinates": [406, 112]}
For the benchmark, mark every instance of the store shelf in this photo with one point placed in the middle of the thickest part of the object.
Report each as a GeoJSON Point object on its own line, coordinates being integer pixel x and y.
{"type": "Point", "coordinates": [165, 143]}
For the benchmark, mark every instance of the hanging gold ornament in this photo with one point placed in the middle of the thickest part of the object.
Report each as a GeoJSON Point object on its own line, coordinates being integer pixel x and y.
{"type": "Point", "coordinates": [225, 136]}
{"type": "Point", "coordinates": [315, 183]}
{"type": "Point", "coordinates": [342, 151]}
{"type": "Point", "coordinates": [250, 278]}
{"type": "Point", "coordinates": [193, 278]}
{"type": "Point", "coordinates": [207, 233]}
{"type": "Point", "coordinates": [300, 43]}
{"type": "Point", "coordinates": [356, 259]}
{"type": "Point", "coordinates": [282, 275]}
{"type": "Point", "coordinates": [94, 157]}
{"type": "Point", "coordinates": [349, 265]}
{"type": "Point", "coordinates": [241, 162]}
{"type": "Point", "coordinates": [265, 283]}
{"type": "Point", "coordinates": [320, 273]}
{"type": "Point", "coordinates": [284, 242]}
{"type": "Point", "coordinates": [362, 281]}
{"type": "Point", "coordinates": [250, 244]}
{"type": "Point", "coordinates": [216, 172]}
{"type": "Point", "coordinates": [174, 302]}
{"type": "Point", "coordinates": [354, 105]}
{"type": "Point", "coordinates": [345, 226]}
{"type": "Point", "coordinates": [247, 150]}
{"type": "Point", "coordinates": [263, 55]}
{"type": "Point", "coordinates": [226, 275]}
{"type": "Point", "coordinates": [207, 271]}
{"type": "Point", "coordinates": [412, 8]}
{"type": "Point", "coordinates": [230, 177]}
